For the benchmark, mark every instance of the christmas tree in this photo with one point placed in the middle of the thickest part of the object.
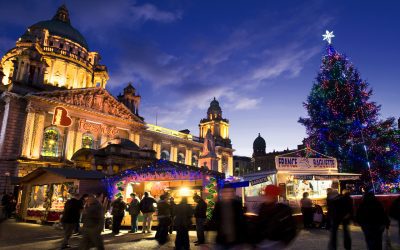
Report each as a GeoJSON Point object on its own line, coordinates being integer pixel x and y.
{"type": "Point", "coordinates": [344, 123]}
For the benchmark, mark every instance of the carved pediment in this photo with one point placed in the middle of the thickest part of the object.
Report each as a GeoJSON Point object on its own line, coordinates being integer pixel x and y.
{"type": "Point", "coordinates": [97, 99]}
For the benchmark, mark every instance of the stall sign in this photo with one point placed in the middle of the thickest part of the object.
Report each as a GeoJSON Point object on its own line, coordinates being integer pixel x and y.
{"type": "Point", "coordinates": [303, 163]}
{"type": "Point", "coordinates": [261, 180]}
{"type": "Point", "coordinates": [61, 117]}
{"type": "Point", "coordinates": [97, 128]}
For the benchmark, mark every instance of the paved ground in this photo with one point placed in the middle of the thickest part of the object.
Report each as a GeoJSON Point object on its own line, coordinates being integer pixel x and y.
{"type": "Point", "coordinates": [19, 236]}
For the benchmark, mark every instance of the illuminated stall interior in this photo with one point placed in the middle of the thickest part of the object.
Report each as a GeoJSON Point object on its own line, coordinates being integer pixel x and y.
{"type": "Point", "coordinates": [45, 191]}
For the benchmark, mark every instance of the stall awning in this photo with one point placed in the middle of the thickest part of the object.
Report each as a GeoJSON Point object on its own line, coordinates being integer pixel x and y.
{"type": "Point", "coordinates": [333, 176]}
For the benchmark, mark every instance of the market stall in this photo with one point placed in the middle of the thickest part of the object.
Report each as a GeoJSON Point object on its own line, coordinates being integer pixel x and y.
{"type": "Point", "coordinates": [45, 190]}
{"type": "Point", "coordinates": [178, 180]}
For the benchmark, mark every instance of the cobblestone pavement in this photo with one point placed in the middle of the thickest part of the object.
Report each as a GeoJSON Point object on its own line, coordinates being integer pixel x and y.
{"type": "Point", "coordinates": [18, 235]}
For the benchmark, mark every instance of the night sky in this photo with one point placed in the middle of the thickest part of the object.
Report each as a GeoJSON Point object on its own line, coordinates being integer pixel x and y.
{"type": "Point", "coordinates": [258, 58]}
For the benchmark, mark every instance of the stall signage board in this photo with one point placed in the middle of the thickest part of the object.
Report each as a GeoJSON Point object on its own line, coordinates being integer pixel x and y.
{"type": "Point", "coordinates": [260, 180]}
{"type": "Point", "coordinates": [303, 163]}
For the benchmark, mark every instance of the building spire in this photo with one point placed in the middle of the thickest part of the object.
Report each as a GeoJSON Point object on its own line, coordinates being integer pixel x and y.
{"type": "Point", "coordinates": [62, 14]}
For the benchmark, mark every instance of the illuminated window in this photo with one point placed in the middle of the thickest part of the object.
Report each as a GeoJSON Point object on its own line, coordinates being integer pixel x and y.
{"type": "Point", "coordinates": [181, 158]}
{"type": "Point", "coordinates": [165, 155]}
{"type": "Point", "coordinates": [195, 160]}
{"type": "Point", "coordinates": [87, 141]}
{"type": "Point", "coordinates": [51, 142]}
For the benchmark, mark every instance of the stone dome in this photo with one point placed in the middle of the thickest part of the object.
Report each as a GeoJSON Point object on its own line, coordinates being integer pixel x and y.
{"type": "Point", "coordinates": [214, 107]}
{"type": "Point", "coordinates": [259, 145]}
{"type": "Point", "coordinates": [60, 25]}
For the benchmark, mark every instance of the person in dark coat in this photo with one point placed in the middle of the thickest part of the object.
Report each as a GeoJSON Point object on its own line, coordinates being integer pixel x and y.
{"type": "Point", "coordinates": [307, 210]}
{"type": "Point", "coordinates": [341, 212]}
{"type": "Point", "coordinates": [164, 219]}
{"type": "Point", "coordinates": [200, 214]}
{"type": "Point", "coordinates": [275, 226]}
{"type": "Point", "coordinates": [118, 212]}
{"type": "Point", "coordinates": [93, 223]}
{"type": "Point", "coordinates": [147, 208]}
{"type": "Point", "coordinates": [172, 205]}
{"type": "Point", "coordinates": [134, 211]}
{"type": "Point", "coordinates": [82, 202]}
{"type": "Point", "coordinates": [229, 219]}
{"type": "Point", "coordinates": [69, 219]}
{"type": "Point", "coordinates": [183, 221]}
{"type": "Point", "coordinates": [395, 211]}
{"type": "Point", "coordinates": [373, 220]}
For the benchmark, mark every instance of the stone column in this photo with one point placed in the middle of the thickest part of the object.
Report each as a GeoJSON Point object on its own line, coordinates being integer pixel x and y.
{"type": "Point", "coordinates": [157, 148]}
{"type": "Point", "coordinates": [188, 156]}
{"type": "Point", "coordinates": [28, 134]}
{"type": "Point", "coordinates": [137, 139]}
{"type": "Point", "coordinates": [75, 81]}
{"type": "Point", "coordinates": [36, 146]}
{"type": "Point", "coordinates": [16, 77]}
{"type": "Point", "coordinates": [173, 153]}
{"type": "Point", "coordinates": [230, 165]}
{"type": "Point", "coordinates": [4, 123]}
{"type": "Point", "coordinates": [52, 66]}
{"type": "Point", "coordinates": [69, 146]}
{"type": "Point", "coordinates": [220, 163]}
{"type": "Point", "coordinates": [65, 74]}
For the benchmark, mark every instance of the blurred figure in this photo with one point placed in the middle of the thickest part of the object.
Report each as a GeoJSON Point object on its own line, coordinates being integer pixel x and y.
{"type": "Point", "coordinates": [147, 208]}
{"type": "Point", "coordinates": [395, 211]}
{"type": "Point", "coordinates": [172, 205]}
{"type": "Point", "coordinates": [276, 226]}
{"type": "Point", "coordinates": [183, 221]}
{"type": "Point", "coordinates": [306, 210]}
{"type": "Point", "coordinates": [134, 211]}
{"type": "Point", "coordinates": [200, 216]}
{"type": "Point", "coordinates": [82, 202]}
{"type": "Point", "coordinates": [330, 196]}
{"type": "Point", "coordinates": [118, 211]}
{"type": "Point", "coordinates": [341, 213]}
{"type": "Point", "coordinates": [93, 221]}
{"type": "Point", "coordinates": [70, 217]}
{"type": "Point", "coordinates": [229, 218]}
{"type": "Point", "coordinates": [164, 219]}
{"type": "Point", "coordinates": [372, 218]}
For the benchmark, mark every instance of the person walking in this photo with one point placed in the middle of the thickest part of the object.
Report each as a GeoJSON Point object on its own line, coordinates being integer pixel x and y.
{"type": "Point", "coordinates": [134, 211]}
{"type": "Point", "coordinates": [275, 227]}
{"type": "Point", "coordinates": [307, 210]}
{"type": "Point", "coordinates": [93, 223]}
{"type": "Point", "coordinates": [183, 221]}
{"type": "Point", "coordinates": [172, 205]}
{"type": "Point", "coordinates": [164, 219]}
{"type": "Point", "coordinates": [373, 220]}
{"type": "Point", "coordinates": [200, 216]}
{"type": "Point", "coordinates": [229, 218]}
{"type": "Point", "coordinates": [70, 218]}
{"type": "Point", "coordinates": [341, 212]}
{"type": "Point", "coordinates": [82, 202]}
{"type": "Point", "coordinates": [331, 194]}
{"type": "Point", "coordinates": [147, 208]}
{"type": "Point", "coordinates": [395, 211]}
{"type": "Point", "coordinates": [118, 211]}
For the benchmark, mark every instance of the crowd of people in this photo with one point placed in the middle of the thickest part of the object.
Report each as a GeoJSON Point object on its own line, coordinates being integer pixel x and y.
{"type": "Point", "coordinates": [370, 215]}
{"type": "Point", "coordinates": [273, 228]}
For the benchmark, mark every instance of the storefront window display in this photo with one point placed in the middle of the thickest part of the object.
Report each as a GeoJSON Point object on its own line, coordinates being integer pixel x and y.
{"type": "Point", "coordinates": [316, 188]}
{"type": "Point", "coordinates": [257, 188]}
{"type": "Point", "coordinates": [61, 193]}
{"type": "Point", "coordinates": [38, 197]}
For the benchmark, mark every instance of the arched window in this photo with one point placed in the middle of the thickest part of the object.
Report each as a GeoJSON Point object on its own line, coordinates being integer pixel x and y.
{"type": "Point", "coordinates": [195, 160]}
{"type": "Point", "coordinates": [87, 140]}
{"type": "Point", "coordinates": [181, 158]}
{"type": "Point", "coordinates": [164, 155]}
{"type": "Point", "coordinates": [51, 142]}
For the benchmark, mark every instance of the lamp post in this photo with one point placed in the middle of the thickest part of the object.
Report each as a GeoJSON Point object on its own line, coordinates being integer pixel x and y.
{"type": "Point", "coordinates": [6, 174]}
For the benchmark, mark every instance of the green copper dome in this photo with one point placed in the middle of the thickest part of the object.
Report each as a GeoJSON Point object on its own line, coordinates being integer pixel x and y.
{"type": "Point", "coordinates": [60, 25]}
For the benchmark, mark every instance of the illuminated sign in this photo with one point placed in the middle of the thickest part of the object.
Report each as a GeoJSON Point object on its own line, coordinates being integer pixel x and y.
{"type": "Point", "coordinates": [96, 128]}
{"type": "Point", "coordinates": [302, 163]}
{"type": "Point", "coordinates": [61, 118]}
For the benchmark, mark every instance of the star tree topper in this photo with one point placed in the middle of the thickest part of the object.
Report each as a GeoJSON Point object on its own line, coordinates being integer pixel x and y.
{"type": "Point", "coordinates": [328, 36]}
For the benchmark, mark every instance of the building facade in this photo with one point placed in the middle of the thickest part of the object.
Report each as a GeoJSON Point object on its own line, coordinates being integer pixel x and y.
{"type": "Point", "coordinates": [53, 103]}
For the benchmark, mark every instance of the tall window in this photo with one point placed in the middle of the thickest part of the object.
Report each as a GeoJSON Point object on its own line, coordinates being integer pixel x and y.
{"type": "Point", "coordinates": [195, 161]}
{"type": "Point", "coordinates": [181, 158]}
{"type": "Point", "coordinates": [165, 155]}
{"type": "Point", "coordinates": [87, 140]}
{"type": "Point", "coordinates": [51, 142]}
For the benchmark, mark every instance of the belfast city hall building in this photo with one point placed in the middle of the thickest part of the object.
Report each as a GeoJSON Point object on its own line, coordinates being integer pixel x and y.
{"type": "Point", "coordinates": [55, 113]}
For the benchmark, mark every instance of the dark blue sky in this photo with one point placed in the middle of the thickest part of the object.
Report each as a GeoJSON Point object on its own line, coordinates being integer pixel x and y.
{"type": "Point", "coordinates": [259, 58]}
